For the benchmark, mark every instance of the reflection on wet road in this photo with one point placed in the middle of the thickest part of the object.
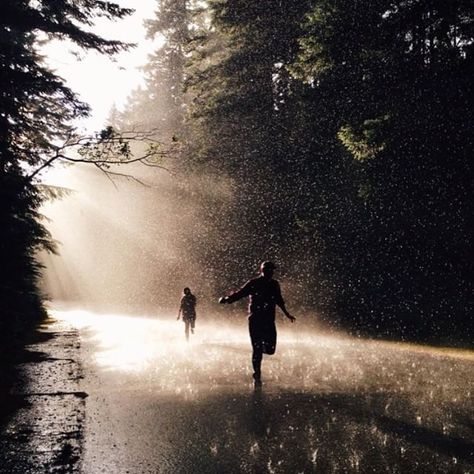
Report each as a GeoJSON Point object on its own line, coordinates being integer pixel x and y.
{"type": "Point", "coordinates": [328, 404]}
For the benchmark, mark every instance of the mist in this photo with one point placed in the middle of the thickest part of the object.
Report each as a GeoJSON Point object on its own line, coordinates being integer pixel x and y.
{"type": "Point", "coordinates": [123, 245]}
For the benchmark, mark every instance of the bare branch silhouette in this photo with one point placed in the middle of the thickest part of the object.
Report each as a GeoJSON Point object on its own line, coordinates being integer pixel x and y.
{"type": "Point", "coordinates": [110, 147]}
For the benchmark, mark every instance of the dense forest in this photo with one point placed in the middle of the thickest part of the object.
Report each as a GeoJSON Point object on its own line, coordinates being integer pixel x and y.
{"type": "Point", "coordinates": [334, 137]}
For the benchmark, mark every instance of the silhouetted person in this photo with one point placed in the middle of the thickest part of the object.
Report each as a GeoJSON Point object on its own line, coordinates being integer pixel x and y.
{"type": "Point", "coordinates": [187, 309]}
{"type": "Point", "coordinates": [264, 294]}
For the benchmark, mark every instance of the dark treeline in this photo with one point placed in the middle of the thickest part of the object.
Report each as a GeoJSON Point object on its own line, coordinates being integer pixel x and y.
{"type": "Point", "coordinates": [332, 136]}
{"type": "Point", "coordinates": [339, 135]}
{"type": "Point", "coordinates": [36, 112]}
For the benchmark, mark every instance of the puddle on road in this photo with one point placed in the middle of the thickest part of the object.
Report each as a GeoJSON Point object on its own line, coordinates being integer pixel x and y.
{"type": "Point", "coordinates": [155, 350]}
{"type": "Point", "coordinates": [328, 404]}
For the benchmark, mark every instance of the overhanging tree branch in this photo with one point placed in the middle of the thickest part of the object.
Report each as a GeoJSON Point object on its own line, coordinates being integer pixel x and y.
{"type": "Point", "coordinates": [108, 148]}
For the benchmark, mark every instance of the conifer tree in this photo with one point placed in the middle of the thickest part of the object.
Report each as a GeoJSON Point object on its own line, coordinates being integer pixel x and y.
{"type": "Point", "coordinates": [36, 114]}
{"type": "Point", "coordinates": [160, 104]}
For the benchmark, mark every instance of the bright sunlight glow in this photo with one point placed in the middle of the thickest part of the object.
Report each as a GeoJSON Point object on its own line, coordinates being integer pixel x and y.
{"type": "Point", "coordinates": [218, 355]}
{"type": "Point", "coordinates": [103, 82]}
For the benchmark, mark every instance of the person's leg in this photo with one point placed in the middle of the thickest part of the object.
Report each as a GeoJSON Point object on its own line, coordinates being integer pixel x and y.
{"type": "Point", "coordinates": [257, 355]}
{"type": "Point", "coordinates": [257, 350]}
{"type": "Point", "coordinates": [192, 321]}
{"type": "Point", "coordinates": [269, 339]}
{"type": "Point", "coordinates": [186, 328]}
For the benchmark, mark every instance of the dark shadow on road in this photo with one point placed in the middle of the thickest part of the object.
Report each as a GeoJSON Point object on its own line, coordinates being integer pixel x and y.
{"type": "Point", "coordinates": [40, 410]}
{"type": "Point", "coordinates": [441, 443]}
{"type": "Point", "coordinates": [284, 431]}
{"type": "Point", "coordinates": [13, 353]}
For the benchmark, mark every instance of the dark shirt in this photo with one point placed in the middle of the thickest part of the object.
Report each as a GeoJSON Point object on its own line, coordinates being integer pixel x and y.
{"type": "Point", "coordinates": [264, 294]}
{"type": "Point", "coordinates": [188, 306]}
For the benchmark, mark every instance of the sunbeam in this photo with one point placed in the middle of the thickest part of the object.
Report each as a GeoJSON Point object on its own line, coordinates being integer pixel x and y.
{"type": "Point", "coordinates": [119, 245]}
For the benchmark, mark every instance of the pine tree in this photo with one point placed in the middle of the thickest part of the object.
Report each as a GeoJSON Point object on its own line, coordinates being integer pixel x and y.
{"type": "Point", "coordinates": [160, 104]}
{"type": "Point", "coordinates": [240, 93]}
{"type": "Point", "coordinates": [36, 112]}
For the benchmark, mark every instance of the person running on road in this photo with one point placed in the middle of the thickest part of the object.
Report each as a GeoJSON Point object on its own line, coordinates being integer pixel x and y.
{"type": "Point", "coordinates": [264, 294]}
{"type": "Point", "coordinates": [187, 309]}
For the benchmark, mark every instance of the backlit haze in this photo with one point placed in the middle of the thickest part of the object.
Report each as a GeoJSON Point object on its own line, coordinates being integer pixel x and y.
{"type": "Point", "coordinates": [329, 404]}
{"type": "Point", "coordinates": [123, 246]}
{"type": "Point", "coordinates": [116, 240]}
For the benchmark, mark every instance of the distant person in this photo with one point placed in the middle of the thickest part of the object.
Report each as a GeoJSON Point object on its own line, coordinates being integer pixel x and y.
{"type": "Point", "coordinates": [187, 310]}
{"type": "Point", "coordinates": [264, 294]}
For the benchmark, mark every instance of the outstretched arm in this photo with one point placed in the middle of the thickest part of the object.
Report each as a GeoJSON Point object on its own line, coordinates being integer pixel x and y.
{"type": "Point", "coordinates": [237, 295]}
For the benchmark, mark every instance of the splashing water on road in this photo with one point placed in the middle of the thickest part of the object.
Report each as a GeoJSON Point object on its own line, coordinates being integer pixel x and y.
{"type": "Point", "coordinates": [328, 404]}
{"type": "Point", "coordinates": [217, 354]}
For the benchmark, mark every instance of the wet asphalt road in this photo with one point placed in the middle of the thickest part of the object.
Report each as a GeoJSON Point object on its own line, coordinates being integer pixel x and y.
{"type": "Point", "coordinates": [157, 404]}
{"type": "Point", "coordinates": [43, 409]}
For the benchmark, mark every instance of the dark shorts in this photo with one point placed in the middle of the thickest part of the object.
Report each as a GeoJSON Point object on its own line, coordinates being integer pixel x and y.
{"type": "Point", "coordinates": [263, 335]}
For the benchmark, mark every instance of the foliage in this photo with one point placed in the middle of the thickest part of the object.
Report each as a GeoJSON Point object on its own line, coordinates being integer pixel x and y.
{"type": "Point", "coordinates": [365, 142]}
{"type": "Point", "coordinates": [160, 105]}
{"type": "Point", "coordinates": [36, 111]}
{"type": "Point", "coordinates": [401, 73]}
